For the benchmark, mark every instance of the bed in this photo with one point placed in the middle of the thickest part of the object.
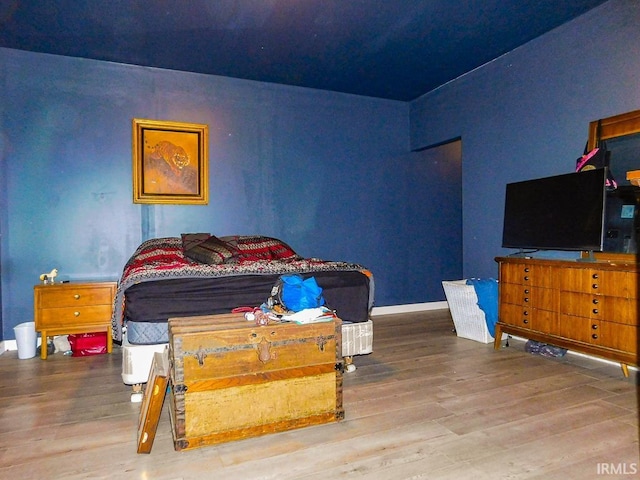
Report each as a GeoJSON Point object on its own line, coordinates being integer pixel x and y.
{"type": "Point", "coordinates": [201, 274]}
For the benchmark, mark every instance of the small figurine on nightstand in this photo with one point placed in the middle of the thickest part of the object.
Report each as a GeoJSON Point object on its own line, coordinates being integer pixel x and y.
{"type": "Point", "coordinates": [49, 278]}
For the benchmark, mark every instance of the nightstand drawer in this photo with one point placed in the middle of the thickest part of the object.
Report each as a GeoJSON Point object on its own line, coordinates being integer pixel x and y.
{"type": "Point", "coordinates": [53, 296]}
{"type": "Point", "coordinates": [70, 316]}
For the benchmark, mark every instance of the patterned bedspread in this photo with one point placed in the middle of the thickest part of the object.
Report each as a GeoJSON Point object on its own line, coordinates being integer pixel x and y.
{"type": "Point", "coordinates": [164, 259]}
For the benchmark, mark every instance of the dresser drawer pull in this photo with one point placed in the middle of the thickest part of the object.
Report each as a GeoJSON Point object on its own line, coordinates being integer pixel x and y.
{"type": "Point", "coordinates": [594, 327]}
{"type": "Point", "coordinates": [77, 296]}
{"type": "Point", "coordinates": [595, 301]}
{"type": "Point", "coordinates": [525, 313]}
{"type": "Point", "coordinates": [526, 278]}
{"type": "Point", "coordinates": [594, 336]}
{"type": "Point", "coordinates": [595, 311]}
{"type": "Point", "coordinates": [526, 291]}
{"type": "Point", "coordinates": [595, 275]}
{"type": "Point", "coordinates": [594, 286]}
{"type": "Point", "coordinates": [525, 321]}
{"type": "Point", "coordinates": [526, 269]}
{"type": "Point", "coordinates": [526, 299]}
{"type": "Point", "coordinates": [76, 314]}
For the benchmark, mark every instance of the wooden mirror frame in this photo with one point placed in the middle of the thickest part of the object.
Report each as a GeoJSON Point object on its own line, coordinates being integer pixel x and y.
{"type": "Point", "coordinates": [613, 127]}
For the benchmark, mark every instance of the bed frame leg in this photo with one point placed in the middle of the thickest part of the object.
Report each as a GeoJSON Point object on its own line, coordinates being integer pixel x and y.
{"type": "Point", "coordinates": [348, 364]}
{"type": "Point", "coordinates": [136, 393]}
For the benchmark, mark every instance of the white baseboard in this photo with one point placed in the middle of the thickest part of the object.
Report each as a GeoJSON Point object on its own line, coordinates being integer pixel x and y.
{"type": "Point", "coordinates": [408, 308]}
{"type": "Point", "coordinates": [8, 345]}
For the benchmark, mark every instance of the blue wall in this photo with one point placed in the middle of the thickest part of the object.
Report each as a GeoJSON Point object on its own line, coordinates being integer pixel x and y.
{"type": "Point", "coordinates": [526, 115]}
{"type": "Point", "coordinates": [331, 174]}
{"type": "Point", "coordinates": [337, 176]}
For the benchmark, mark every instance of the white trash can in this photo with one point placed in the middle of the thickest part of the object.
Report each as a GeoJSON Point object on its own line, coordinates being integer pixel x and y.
{"type": "Point", "coordinates": [26, 338]}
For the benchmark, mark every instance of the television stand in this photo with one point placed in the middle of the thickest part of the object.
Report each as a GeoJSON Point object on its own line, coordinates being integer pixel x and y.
{"type": "Point", "coordinates": [587, 307]}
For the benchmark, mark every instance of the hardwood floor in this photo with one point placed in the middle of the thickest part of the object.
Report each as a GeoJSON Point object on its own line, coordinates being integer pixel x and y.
{"type": "Point", "coordinates": [424, 405]}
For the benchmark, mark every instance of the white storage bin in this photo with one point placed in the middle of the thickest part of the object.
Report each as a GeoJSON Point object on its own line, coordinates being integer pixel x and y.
{"type": "Point", "coordinates": [357, 338]}
{"type": "Point", "coordinates": [468, 318]}
{"type": "Point", "coordinates": [136, 361]}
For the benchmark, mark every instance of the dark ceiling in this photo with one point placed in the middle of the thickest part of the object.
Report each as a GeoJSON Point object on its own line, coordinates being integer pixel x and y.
{"type": "Point", "coordinates": [395, 49]}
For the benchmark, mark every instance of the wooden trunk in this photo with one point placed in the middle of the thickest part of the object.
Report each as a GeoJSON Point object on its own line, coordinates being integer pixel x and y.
{"type": "Point", "coordinates": [231, 379]}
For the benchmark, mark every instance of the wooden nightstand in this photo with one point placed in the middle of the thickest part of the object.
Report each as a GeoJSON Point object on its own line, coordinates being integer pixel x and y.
{"type": "Point", "coordinates": [66, 308]}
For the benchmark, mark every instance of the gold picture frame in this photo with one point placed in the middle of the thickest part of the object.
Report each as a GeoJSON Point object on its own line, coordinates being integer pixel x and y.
{"type": "Point", "coordinates": [170, 162]}
{"type": "Point", "coordinates": [153, 401]}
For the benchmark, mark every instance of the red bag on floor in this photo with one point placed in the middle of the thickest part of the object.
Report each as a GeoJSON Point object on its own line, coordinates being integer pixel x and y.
{"type": "Point", "coordinates": [85, 344]}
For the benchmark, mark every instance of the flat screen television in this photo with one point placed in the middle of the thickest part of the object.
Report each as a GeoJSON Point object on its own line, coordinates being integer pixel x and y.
{"type": "Point", "coordinates": [563, 212]}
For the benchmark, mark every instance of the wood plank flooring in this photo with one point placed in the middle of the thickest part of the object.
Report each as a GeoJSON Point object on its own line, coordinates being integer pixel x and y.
{"type": "Point", "coordinates": [424, 405]}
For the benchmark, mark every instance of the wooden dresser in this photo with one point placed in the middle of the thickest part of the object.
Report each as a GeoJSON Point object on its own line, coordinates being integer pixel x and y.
{"type": "Point", "coordinates": [66, 308]}
{"type": "Point", "coordinates": [587, 307]}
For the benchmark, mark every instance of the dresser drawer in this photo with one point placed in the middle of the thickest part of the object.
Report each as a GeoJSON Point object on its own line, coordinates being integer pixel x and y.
{"type": "Point", "coordinates": [527, 274]}
{"type": "Point", "coordinates": [596, 332]}
{"type": "Point", "coordinates": [70, 316]}
{"type": "Point", "coordinates": [614, 309]}
{"type": "Point", "coordinates": [619, 337]}
{"type": "Point", "coordinates": [529, 296]}
{"type": "Point", "coordinates": [603, 282]}
{"type": "Point", "coordinates": [54, 296]}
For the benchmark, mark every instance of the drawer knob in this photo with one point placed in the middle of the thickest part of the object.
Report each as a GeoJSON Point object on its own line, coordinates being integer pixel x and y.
{"type": "Point", "coordinates": [526, 269]}
{"type": "Point", "coordinates": [595, 311]}
{"type": "Point", "coordinates": [594, 286]}
{"type": "Point", "coordinates": [525, 321]}
{"type": "Point", "coordinates": [77, 296]}
{"type": "Point", "coordinates": [526, 299]}
{"type": "Point", "coordinates": [526, 278]}
{"type": "Point", "coordinates": [595, 301]}
{"type": "Point", "coordinates": [595, 276]}
{"type": "Point", "coordinates": [76, 314]}
{"type": "Point", "coordinates": [594, 327]}
{"type": "Point", "coordinates": [594, 336]}
{"type": "Point", "coordinates": [526, 291]}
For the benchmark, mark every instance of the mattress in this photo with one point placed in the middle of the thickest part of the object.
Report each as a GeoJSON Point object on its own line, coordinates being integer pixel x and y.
{"type": "Point", "coordinates": [150, 304]}
{"type": "Point", "coordinates": [147, 333]}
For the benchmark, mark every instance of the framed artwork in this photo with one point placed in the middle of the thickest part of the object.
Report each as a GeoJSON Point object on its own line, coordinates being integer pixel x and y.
{"type": "Point", "coordinates": [170, 162]}
{"type": "Point", "coordinates": [153, 400]}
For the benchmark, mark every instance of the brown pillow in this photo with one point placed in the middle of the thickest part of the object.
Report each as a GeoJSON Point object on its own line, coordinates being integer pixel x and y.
{"type": "Point", "coordinates": [190, 240]}
{"type": "Point", "coordinates": [212, 251]}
